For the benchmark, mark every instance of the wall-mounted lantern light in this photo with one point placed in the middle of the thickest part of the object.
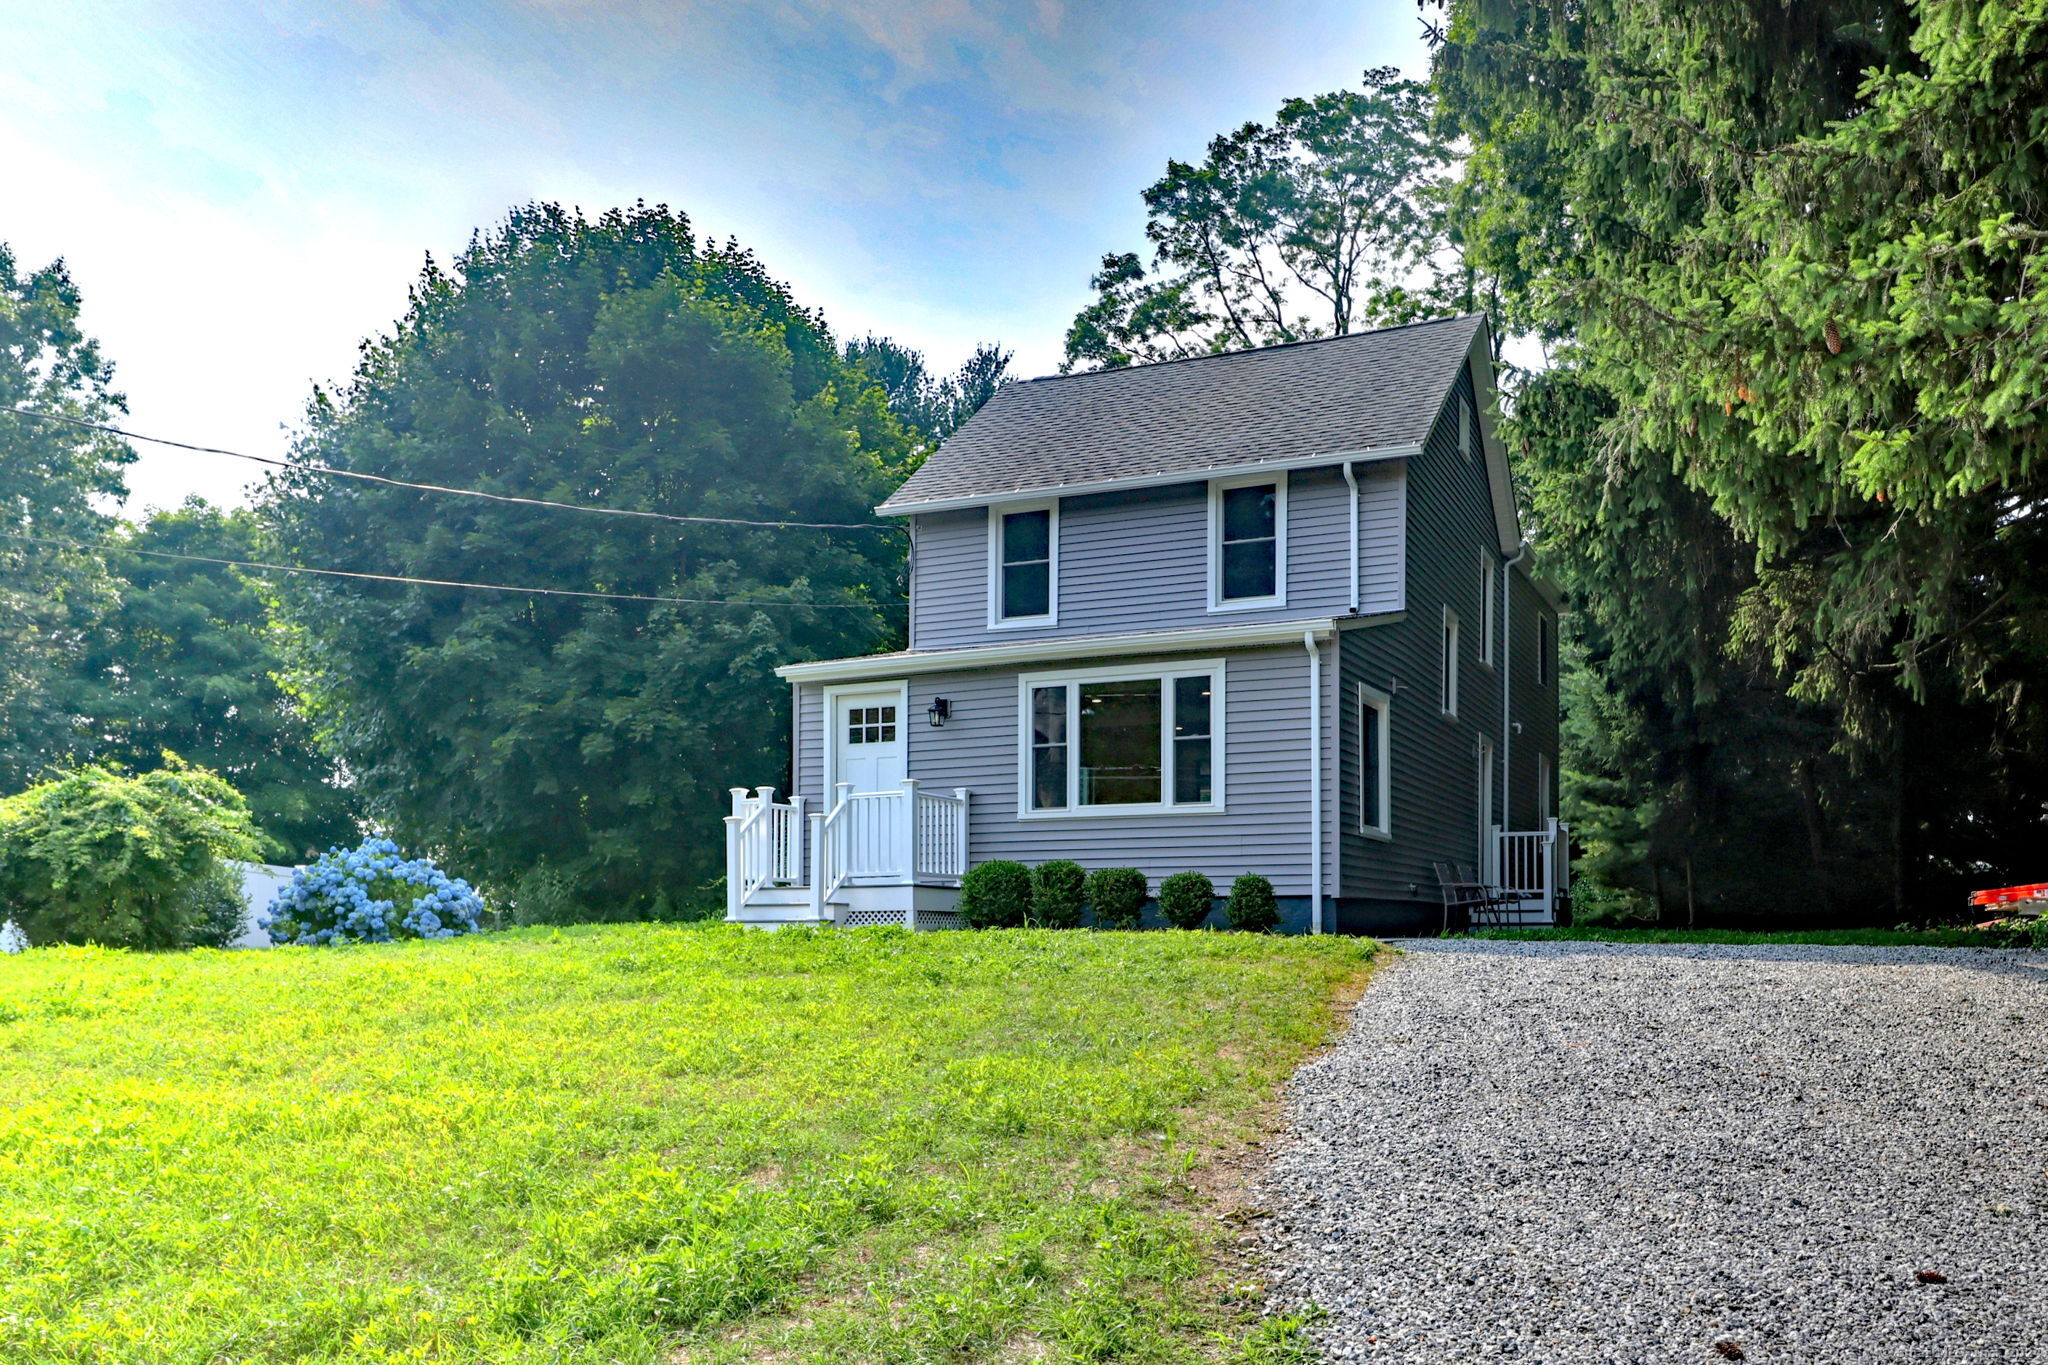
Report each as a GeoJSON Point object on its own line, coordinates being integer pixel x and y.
{"type": "Point", "coordinates": [938, 712]}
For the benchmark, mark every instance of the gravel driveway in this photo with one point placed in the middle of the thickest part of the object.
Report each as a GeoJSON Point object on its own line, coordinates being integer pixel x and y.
{"type": "Point", "coordinates": [1570, 1152]}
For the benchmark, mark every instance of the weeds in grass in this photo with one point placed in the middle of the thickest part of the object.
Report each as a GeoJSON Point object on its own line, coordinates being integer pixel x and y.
{"type": "Point", "coordinates": [639, 1144]}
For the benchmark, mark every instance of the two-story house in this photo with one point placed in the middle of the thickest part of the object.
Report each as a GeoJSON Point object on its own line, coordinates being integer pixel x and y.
{"type": "Point", "coordinates": [1268, 611]}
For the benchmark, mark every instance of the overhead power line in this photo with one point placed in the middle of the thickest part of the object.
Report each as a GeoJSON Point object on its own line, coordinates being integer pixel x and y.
{"type": "Point", "coordinates": [331, 472]}
{"type": "Point", "coordinates": [451, 583]}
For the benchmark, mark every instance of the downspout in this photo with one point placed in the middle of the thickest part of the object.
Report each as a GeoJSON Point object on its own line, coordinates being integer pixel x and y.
{"type": "Point", "coordinates": [1351, 481]}
{"type": "Point", "coordinates": [1315, 781]}
{"type": "Point", "coordinates": [1507, 665]}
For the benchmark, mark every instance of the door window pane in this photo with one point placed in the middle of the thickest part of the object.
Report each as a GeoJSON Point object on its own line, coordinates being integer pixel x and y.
{"type": "Point", "coordinates": [1026, 564]}
{"type": "Point", "coordinates": [1048, 747]}
{"type": "Point", "coordinates": [871, 725]}
{"type": "Point", "coordinates": [1250, 551]}
{"type": "Point", "coordinates": [1192, 759]}
{"type": "Point", "coordinates": [1120, 725]}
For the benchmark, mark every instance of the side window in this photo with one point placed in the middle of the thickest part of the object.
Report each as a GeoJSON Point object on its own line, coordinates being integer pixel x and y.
{"type": "Point", "coordinates": [1375, 769]}
{"type": "Point", "coordinates": [1449, 681]}
{"type": "Point", "coordinates": [1024, 548]}
{"type": "Point", "coordinates": [1248, 543]}
{"type": "Point", "coordinates": [1546, 645]}
{"type": "Point", "coordinates": [1544, 785]}
{"type": "Point", "coordinates": [1466, 444]}
{"type": "Point", "coordinates": [1108, 741]}
{"type": "Point", "coordinates": [1489, 594]}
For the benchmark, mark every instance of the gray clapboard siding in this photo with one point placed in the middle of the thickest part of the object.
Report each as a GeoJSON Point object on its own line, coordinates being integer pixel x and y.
{"type": "Point", "coordinates": [1435, 760]}
{"type": "Point", "coordinates": [1263, 827]}
{"type": "Point", "coordinates": [1140, 561]}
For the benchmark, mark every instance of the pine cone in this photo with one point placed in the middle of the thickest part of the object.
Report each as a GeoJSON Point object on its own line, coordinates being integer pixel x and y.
{"type": "Point", "coordinates": [1833, 335]}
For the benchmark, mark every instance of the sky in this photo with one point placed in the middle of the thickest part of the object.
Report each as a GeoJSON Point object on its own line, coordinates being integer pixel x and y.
{"type": "Point", "coordinates": [243, 191]}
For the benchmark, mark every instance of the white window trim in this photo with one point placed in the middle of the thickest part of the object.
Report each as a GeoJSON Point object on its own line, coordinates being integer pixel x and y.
{"type": "Point", "coordinates": [828, 727]}
{"type": "Point", "coordinates": [1217, 488]}
{"type": "Point", "coordinates": [1448, 667]}
{"type": "Point", "coordinates": [1378, 705]}
{"type": "Point", "coordinates": [1165, 673]}
{"type": "Point", "coordinates": [996, 513]}
{"type": "Point", "coordinates": [1489, 609]}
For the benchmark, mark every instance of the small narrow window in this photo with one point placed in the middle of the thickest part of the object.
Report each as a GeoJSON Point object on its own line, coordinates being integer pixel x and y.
{"type": "Point", "coordinates": [1193, 757]}
{"type": "Point", "coordinates": [1450, 663]}
{"type": "Point", "coordinates": [1544, 782]}
{"type": "Point", "coordinates": [1049, 747]}
{"type": "Point", "coordinates": [1248, 544]}
{"type": "Point", "coordinates": [1375, 772]}
{"type": "Point", "coordinates": [1464, 429]}
{"type": "Point", "coordinates": [1024, 554]}
{"type": "Point", "coordinates": [1489, 586]}
{"type": "Point", "coordinates": [1545, 646]}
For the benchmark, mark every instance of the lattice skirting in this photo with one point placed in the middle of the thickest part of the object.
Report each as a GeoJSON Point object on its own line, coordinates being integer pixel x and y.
{"type": "Point", "coordinates": [926, 919]}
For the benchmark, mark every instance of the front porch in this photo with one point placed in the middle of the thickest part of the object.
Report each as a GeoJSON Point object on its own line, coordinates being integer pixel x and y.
{"type": "Point", "coordinates": [893, 856]}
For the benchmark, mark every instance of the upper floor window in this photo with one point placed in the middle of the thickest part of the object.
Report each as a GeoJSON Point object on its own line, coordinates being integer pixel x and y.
{"type": "Point", "coordinates": [1123, 740]}
{"type": "Point", "coordinates": [1489, 590]}
{"type": "Point", "coordinates": [1465, 442]}
{"type": "Point", "coordinates": [1449, 680]}
{"type": "Point", "coordinates": [1248, 543]}
{"type": "Point", "coordinates": [1546, 646]}
{"type": "Point", "coordinates": [1024, 565]}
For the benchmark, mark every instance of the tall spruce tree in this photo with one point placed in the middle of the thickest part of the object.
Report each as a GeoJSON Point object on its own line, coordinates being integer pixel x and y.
{"type": "Point", "coordinates": [1796, 252]}
{"type": "Point", "coordinates": [613, 361]}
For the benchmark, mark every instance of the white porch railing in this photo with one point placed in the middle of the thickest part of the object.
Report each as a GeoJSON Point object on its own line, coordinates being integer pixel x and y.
{"type": "Point", "coordinates": [1533, 867]}
{"type": "Point", "coordinates": [898, 837]}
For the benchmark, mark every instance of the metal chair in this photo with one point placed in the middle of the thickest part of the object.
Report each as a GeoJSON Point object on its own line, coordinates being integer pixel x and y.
{"type": "Point", "coordinates": [1466, 898]}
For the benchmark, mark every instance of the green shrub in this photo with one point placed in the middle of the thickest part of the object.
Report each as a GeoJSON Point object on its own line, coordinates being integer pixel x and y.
{"type": "Point", "coordinates": [123, 861]}
{"type": "Point", "coordinates": [215, 909]}
{"type": "Point", "coordinates": [1117, 896]}
{"type": "Point", "coordinates": [1252, 907]}
{"type": "Point", "coordinates": [995, 895]}
{"type": "Point", "coordinates": [546, 895]}
{"type": "Point", "coordinates": [1058, 891]}
{"type": "Point", "coordinates": [1184, 899]}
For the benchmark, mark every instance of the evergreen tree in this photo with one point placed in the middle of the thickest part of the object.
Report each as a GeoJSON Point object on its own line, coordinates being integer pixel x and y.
{"type": "Point", "coordinates": [610, 361]}
{"type": "Point", "coordinates": [928, 405]}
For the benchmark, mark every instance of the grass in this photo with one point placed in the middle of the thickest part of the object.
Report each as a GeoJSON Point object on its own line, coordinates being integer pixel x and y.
{"type": "Point", "coordinates": [645, 1143]}
{"type": "Point", "coordinates": [1865, 938]}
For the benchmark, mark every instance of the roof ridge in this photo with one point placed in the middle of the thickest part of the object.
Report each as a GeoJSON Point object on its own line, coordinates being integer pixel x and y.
{"type": "Point", "coordinates": [1255, 350]}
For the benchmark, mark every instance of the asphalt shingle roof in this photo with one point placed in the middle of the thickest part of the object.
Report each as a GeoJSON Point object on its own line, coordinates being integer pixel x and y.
{"type": "Point", "coordinates": [1349, 393]}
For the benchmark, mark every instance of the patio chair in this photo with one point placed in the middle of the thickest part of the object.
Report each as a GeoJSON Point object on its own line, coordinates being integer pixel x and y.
{"type": "Point", "coordinates": [1467, 900]}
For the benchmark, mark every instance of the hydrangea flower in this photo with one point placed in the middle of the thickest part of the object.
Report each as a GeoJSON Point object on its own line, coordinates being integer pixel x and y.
{"type": "Point", "coordinates": [354, 896]}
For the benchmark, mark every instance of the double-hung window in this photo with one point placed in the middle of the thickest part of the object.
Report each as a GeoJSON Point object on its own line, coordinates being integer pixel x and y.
{"type": "Point", "coordinates": [1024, 547]}
{"type": "Point", "coordinates": [1123, 740]}
{"type": "Point", "coordinates": [1449, 680]}
{"type": "Point", "coordinates": [1248, 542]}
{"type": "Point", "coordinates": [1375, 767]}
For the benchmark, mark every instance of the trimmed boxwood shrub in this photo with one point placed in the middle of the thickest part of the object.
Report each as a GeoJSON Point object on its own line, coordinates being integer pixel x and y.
{"type": "Point", "coordinates": [1184, 899]}
{"type": "Point", "coordinates": [1117, 896]}
{"type": "Point", "coordinates": [1058, 890]}
{"type": "Point", "coordinates": [995, 895]}
{"type": "Point", "coordinates": [1252, 907]}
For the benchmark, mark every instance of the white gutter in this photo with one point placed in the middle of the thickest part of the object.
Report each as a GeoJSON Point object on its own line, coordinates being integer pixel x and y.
{"type": "Point", "coordinates": [1160, 480]}
{"type": "Point", "coordinates": [1351, 482]}
{"type": "Point", "coordinates": [1315, 781]}
{"type": "Point", "coordinates": [1507, 700]}
{"type": "Point", "coordinates": [1135, 644]}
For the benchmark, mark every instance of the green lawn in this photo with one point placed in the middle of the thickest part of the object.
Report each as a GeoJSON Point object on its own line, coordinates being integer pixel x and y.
{"type": "Point", "coordinates": [1868, 938]}
{"type": "Point", "coordinates": [644, 1143]}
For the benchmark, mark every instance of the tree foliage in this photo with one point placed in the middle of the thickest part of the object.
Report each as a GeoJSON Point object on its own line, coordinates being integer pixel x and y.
{"type": "Point", "coordinates": [929, 405]}
{"type": "Point", "coordinates": [126, 861]}
{"type": "Point", "coordinates": [50, 594]}
{"type": "Point", "coordinates": [189, 660]}
{"type": "Point", "coordinates": [612, 361]}
{"type": "Point", "coordinates": [1329, 218]}
{"type": "Point", "coordinates": [1791, 257]}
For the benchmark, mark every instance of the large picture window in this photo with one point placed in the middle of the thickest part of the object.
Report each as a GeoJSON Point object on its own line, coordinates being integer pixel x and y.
{"type": "Point", "coordinates": [1248, 543]}
{"type": "Point", "coordinates": [1024, 565]}
{"type": "Point", "coordinates": [1123, 741]}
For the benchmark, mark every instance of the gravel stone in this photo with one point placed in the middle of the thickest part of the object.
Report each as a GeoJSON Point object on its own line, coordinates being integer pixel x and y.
{"type": "Point", "coordinates": [1578, 1152]}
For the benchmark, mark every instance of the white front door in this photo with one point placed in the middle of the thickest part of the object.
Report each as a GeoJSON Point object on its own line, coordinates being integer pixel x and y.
{"type": "Point", "coordinates": [869, 747]}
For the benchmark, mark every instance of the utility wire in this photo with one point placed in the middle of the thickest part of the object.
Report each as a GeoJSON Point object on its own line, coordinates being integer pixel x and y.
{"type": "Point", "coordinates": [332, 472]}
{"type": "Point", "coordinates": [450, 583]}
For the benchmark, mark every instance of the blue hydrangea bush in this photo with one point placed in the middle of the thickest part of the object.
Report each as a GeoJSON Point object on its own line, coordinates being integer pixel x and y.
{"type": "Point", "coordinates": [372, 893]}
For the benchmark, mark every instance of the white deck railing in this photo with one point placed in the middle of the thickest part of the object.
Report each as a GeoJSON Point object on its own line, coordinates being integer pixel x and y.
{"type": "Point", "coordinates": [883, 838]}
{"type": "Point", "coordinates": [1534, 867]}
